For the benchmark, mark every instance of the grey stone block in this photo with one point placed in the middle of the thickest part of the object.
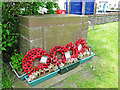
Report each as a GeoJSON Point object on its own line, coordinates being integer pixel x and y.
{"type": "Point", "coordinates": [49, 30]}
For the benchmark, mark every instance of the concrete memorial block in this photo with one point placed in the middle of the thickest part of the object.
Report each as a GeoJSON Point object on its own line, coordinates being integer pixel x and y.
{"type": "Point", "coordinates": [84, 26]}
{"type": "Point", "coordinates": [51, 20]}
{"type": "Point", "coordinates": [84, 34]}
{"type": "Point", "coordinates": [61, 36]}
{"type": "Point", "coordinates": [46, 31]}
{"type": "Point", "coordinates": [24, 44]}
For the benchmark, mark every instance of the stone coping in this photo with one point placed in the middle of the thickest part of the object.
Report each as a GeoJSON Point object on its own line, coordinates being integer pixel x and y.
{"type": "Point", "coordinates": [51, 20]}
{"type": "Point", "coordinates": [52, 15]}
{"type": "Point", "coordinates": [102, 14]}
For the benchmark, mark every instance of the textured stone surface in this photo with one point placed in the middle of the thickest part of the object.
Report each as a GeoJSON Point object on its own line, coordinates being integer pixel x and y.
{"type": "Point", "coordinates": [24, 45]}
{"type": "Point", "coordinates": [23, 30]}
{"type": "Point", "coordinates": [36, 44]}
{"type": "Point", "coordinates": [84, 34]}
{"type": "Point", "coordinates": [104, 18]}
{"type": "Point", "coordinates": [36, 33]}
{"type": "Point", "coordinates": [51, 20]}
{"type": "Point", "coordinates": [61, 35]}
{"type": "Point", "coordinates": [46, 31]}
{"type": "Point", "coordinates": [85, 26]}
{"type": "Point", "coordinates": [31, 33]}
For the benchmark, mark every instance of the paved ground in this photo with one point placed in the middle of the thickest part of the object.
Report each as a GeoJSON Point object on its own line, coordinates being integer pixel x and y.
{"type": "Point", "coordinates": [53, 82]}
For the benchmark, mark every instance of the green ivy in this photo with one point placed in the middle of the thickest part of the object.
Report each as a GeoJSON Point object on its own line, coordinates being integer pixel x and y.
{"type": "Point", "coordinates": [10, 20]}
{"type": "Point", "coordinates": [16, 61]}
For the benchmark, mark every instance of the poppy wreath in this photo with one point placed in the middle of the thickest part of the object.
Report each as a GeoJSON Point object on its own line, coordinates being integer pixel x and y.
{"type": "Point", "coordinates": [73, 47]}
{"type": "Point", "coordinates": [27, 63]}
{"type": "Point", "coordinates": [54, 59]}
{"type": "Point", "coordinates": [83, 45]}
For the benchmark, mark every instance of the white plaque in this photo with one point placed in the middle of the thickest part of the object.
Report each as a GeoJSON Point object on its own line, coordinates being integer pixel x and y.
{"type": "Point", "coordinates": [43, 59]}
{"type": "Point", "coordinates": [79, 47]}
{"type": "Point", "coordinates": [67, 55]}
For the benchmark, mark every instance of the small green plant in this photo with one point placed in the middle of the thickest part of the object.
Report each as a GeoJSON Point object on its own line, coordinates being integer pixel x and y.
{"type": "Point", "coordinates": [112, 8]}
{"type": "Point", "coordinates": [16, 61]}
{"type": "Point", "coordinates": [117, 8]}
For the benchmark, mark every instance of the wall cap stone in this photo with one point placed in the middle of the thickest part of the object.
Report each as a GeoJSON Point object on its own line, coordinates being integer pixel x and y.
{"type": "Point", "coordinates": [53, 20]}
{"type": "Point", "coordinates": [53, 15]}
{"type": "Point", "coordinates": [102, 14]}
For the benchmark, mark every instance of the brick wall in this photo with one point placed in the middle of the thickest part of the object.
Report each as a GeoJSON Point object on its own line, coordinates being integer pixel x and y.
{"type": "Point", "coordinates": [46, 31]}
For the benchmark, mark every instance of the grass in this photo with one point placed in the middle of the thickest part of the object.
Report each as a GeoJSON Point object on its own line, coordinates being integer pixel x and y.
{"type": "Point", "coordinates": [104, 38]}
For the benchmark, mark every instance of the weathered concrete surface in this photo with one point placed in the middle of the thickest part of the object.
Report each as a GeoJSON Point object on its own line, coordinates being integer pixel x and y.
{"type": "Point", "coordinates": [50, 82]}
{"type": "Point", "coordinates": [30, 33]}
{"type": "Point", "coordinates": [46, 31]}
{"type": "Point", "coordinates": [61, 36]}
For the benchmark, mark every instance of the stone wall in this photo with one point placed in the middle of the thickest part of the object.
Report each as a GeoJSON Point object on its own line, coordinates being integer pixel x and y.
{"type": "Point", "coordinates": [104, 18]}
{"type": "Point", "coordinates": [46, 31]}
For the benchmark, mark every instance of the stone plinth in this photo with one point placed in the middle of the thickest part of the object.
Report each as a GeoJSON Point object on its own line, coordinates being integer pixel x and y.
{"type": "Point", "coordinates": [46, 31]}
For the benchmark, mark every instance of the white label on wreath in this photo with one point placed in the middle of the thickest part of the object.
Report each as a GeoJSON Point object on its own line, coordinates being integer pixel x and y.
{"type": "Point", "coordinates": [79, 47]}
{"type": "Point", "coordinates": [67, 55]}
{"type": "Point", "coordinates": [89, 49]}
{"type": "Point", "coordinates": [43, 59]}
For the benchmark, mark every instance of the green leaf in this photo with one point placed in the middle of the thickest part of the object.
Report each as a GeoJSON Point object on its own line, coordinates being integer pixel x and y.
{"type": "Point", "coordinates": [8, 32]}
{"type": "Point", "coordinates": [15, 40]}
{"type": "Point", "coordinates": [4, 42]}
{"type": "Point", "coordinates": [3, 48]}
{"type": "Point", "coordinates": [4, 25]}
{"type": "Point", "coordinates": [3, 5]}
{"type": "Point", "coordinates": [17, 33]}
{"type": "Point", "coordinates": [9, 44]}
{"type": "Point", "coordinates": [8, 15]}
{"type": "Point", "coordinates": [20, 69]}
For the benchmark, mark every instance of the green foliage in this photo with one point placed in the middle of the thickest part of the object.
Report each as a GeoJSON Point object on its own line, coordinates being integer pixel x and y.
{"type": "Point", "coordinates": [10, 20]}
{"type": "Point", "coordinates": [16, 61]}
{"type": "Point", "coordinates": [112, 8]}
{"type": "Point", "coordinates": [6, 79]}
{"type": "Point", "coordinates": [117, 9]}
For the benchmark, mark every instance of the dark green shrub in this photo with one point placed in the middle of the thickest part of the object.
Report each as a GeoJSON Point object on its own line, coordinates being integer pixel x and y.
{"type": "Point", "coordinates": [10, 12]}
{"type": "Point", "coordinates": [112, 8]}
